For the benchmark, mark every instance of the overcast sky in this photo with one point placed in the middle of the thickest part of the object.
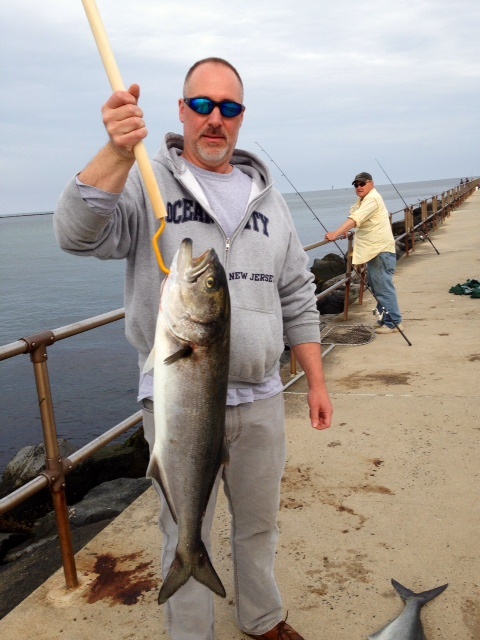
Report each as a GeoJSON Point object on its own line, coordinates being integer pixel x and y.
{"type": "Point", "coordinates": [330, 87]}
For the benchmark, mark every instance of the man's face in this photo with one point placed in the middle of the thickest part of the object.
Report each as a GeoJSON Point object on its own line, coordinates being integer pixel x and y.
{"type": "Point", "coordinates": [362, 191]}
{"type": "Point", "coordinates": [210, 139]}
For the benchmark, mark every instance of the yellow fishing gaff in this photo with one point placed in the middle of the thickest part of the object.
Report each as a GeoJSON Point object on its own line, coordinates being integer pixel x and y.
{"type": "Point", "coordinates": [139, 149]}
{"type": "Point", "coordinates": [156, 248]}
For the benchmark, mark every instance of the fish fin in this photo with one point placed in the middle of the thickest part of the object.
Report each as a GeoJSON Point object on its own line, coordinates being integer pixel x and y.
{"type": "Point", "coordinates": [423, 597]}
{"type": "Point", "coordinates": [180, 571]}
{"type": "Point", "coordinates": [154, 473]}
{"type": "Point", "coordinates": [184, 352]}
{"type": "Point", "coordinates": [150, 361]}
{"type": "Point", "coordinates": [177, 576]}
{"type": "Point", "coordinates": [402, 591]}
{"type": "Point", "coordinates": [206, 574]}
{"type": "Point", "coordinates": [428, 596]}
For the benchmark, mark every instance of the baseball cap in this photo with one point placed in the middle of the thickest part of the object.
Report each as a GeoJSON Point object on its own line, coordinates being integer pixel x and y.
{"type": "Point", "coordinates": [362, 176]}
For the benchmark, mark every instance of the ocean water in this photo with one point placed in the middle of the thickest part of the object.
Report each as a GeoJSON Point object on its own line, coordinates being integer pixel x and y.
{"type": "Point", "coordinates": [94, 376]}
{"type": "Point", "coordinates": [333, 206]}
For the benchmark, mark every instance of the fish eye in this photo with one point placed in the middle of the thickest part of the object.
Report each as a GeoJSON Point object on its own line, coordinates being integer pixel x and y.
{"type": "Point", "coordinates": [210, 282]}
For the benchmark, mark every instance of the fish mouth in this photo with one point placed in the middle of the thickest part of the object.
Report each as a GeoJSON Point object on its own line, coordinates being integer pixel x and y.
{"type": "Point", "coordinates": [191, 267]}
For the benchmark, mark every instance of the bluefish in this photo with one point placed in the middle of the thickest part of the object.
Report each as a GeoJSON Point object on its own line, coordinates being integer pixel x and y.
{"type": "Point", "coordinates": [190, 362]}
{"type": "Point", "coordinates": [408, 625]}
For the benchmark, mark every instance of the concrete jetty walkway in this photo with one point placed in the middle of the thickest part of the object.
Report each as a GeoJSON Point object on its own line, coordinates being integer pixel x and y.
{"type": "Point", "coordinates": [390, 491]}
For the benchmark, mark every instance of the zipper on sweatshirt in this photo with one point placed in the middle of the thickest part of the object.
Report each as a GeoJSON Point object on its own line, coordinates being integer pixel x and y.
{"type": "Point", "coordinates": [227, 245]}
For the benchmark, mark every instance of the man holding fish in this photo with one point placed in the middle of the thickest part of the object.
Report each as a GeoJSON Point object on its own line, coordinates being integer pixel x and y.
{"type": "Point", "coordinates": [218, 336]}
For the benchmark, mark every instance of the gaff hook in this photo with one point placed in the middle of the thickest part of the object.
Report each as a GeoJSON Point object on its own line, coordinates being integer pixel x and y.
{"type": "Point", "coordinates": [156, 247]}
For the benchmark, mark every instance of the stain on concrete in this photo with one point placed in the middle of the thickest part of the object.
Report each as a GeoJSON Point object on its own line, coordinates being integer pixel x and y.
{"type": "Point", "coordinates": [471, 617]}
{"type": "Point", "coordinates": [294, 482]}
{"type": "Point", "coordinates": [121, 586]}
{"type": "Point", "coordinates": [342, 571]}
{"type": "Point", "coordinates": [359, 379]}
{"type": "Point", "coordinates": [373, 489]}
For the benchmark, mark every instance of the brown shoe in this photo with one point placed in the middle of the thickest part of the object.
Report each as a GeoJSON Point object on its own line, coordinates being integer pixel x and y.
{"type": "Point", "coordinates": [282, 631]}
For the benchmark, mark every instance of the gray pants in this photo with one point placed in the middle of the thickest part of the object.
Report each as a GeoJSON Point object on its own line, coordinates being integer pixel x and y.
{"type": "Point", "coordinates": [255, 435]}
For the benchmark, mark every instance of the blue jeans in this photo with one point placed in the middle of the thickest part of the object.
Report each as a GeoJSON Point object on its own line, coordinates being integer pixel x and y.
{"type": "Point", "coordinates": [255, 434]}
{"type": "Point", "coordinates": [380, 280]}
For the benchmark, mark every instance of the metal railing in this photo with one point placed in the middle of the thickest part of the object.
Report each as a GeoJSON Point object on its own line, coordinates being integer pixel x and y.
{"type": "Point", "coordinates": [433, 211]}
{"type": "Point", "coordinates": [57, 469]}
{"type": "Point", "coordinates": [440, 206]}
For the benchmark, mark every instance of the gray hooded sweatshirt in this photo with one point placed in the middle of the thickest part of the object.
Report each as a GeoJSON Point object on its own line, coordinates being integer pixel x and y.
{"type": "Point", "coordinates": [271, 289]}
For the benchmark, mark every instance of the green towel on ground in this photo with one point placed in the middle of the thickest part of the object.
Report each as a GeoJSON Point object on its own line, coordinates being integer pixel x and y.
{"type": "Point", "coordinates": [469, 288]}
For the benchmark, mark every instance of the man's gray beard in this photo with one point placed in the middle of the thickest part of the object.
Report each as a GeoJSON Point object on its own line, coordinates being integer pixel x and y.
{"type": "Point", "coordinates": [210, 154]}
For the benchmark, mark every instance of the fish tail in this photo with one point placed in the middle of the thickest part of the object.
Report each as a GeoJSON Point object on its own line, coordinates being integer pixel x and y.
{"type": "Point", "coordinates": [423, 597]}
{"type": "Point", "coordinates": [177, 576]}
{"type": "Point", "coordinates": [206, 574]}
{"type": "Point", "coordinates": [200, 568]}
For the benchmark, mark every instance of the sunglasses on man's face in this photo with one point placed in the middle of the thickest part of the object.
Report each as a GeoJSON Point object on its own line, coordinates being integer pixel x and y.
{"type": "Point", "coordinates": [359, 184]}
{"type": "Point", "coordinates": [205, 106]}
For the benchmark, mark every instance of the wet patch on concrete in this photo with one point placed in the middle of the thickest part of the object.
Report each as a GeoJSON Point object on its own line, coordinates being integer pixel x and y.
{"type": "Point", "coordinates": [121, 586]}
{"type": "Point", "coordinates": [373, 489]}
{"type": "Point", "coordinates": [359, 379]}
{"type": "Point", "coordinates": [343, 571]}
{"type": "Point", "coordinates": [471, 617]}
{"type": "Point", "coordinates": [302, 487]}
{"type": "Point", "coordinates": [294, 482]}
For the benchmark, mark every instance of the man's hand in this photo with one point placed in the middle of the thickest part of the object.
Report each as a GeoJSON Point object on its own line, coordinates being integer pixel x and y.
{"type": "Point", "coordinates": [331, 236]}
{"type": "Point", "coordinates": [321, 410]}
{"type": "Point", "coordinates": [309, 355]}
{"type": "Point", "coordinates": [341, 232]}
{"type": "Point", "coordinates": [123, 120]}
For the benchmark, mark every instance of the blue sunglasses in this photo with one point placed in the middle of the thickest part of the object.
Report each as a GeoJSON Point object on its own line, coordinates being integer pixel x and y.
{"type": "Point", "coordinates": [205, 106]}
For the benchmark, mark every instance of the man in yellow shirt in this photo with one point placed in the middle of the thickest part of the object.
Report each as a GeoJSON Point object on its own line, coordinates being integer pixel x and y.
{"type": "Point", "coordinates": [374, 245]}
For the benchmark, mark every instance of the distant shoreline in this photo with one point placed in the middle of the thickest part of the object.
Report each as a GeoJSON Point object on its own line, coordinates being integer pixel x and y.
{"type": "Point", "coordinates": [24, 215]}
{"type": "Point", "coordinates": [287, 194]}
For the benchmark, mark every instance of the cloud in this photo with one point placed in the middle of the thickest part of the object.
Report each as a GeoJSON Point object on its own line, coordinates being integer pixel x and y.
{"type": "Point", "coordinates": [329, 86]}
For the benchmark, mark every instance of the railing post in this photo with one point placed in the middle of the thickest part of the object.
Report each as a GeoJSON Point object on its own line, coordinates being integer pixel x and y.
{"type": "Point", "coordinates": [424, 213]}
{"type": "Point", "coordinates": [346, 303]}
{"type": "Point", "coordinates": [434, 211]}
{"type": "Point", "coordinates": [293, 363]}
{"type": "Point", "coordinates": [362, 273]}
{"type": "Point", "coordinates": [410, 238]}
{"type": "Point", "coordinates": [37, 347]}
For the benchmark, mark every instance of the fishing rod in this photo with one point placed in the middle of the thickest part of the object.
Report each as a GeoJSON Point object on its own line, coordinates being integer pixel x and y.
{"type": "Point", "coordinates": [360, 275]}
{"type": "Point", "coordinates": [424, 232]}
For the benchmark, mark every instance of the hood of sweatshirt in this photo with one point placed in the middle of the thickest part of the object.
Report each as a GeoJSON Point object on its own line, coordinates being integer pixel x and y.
{"type": "Point", "coordinates": [170, 156]}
